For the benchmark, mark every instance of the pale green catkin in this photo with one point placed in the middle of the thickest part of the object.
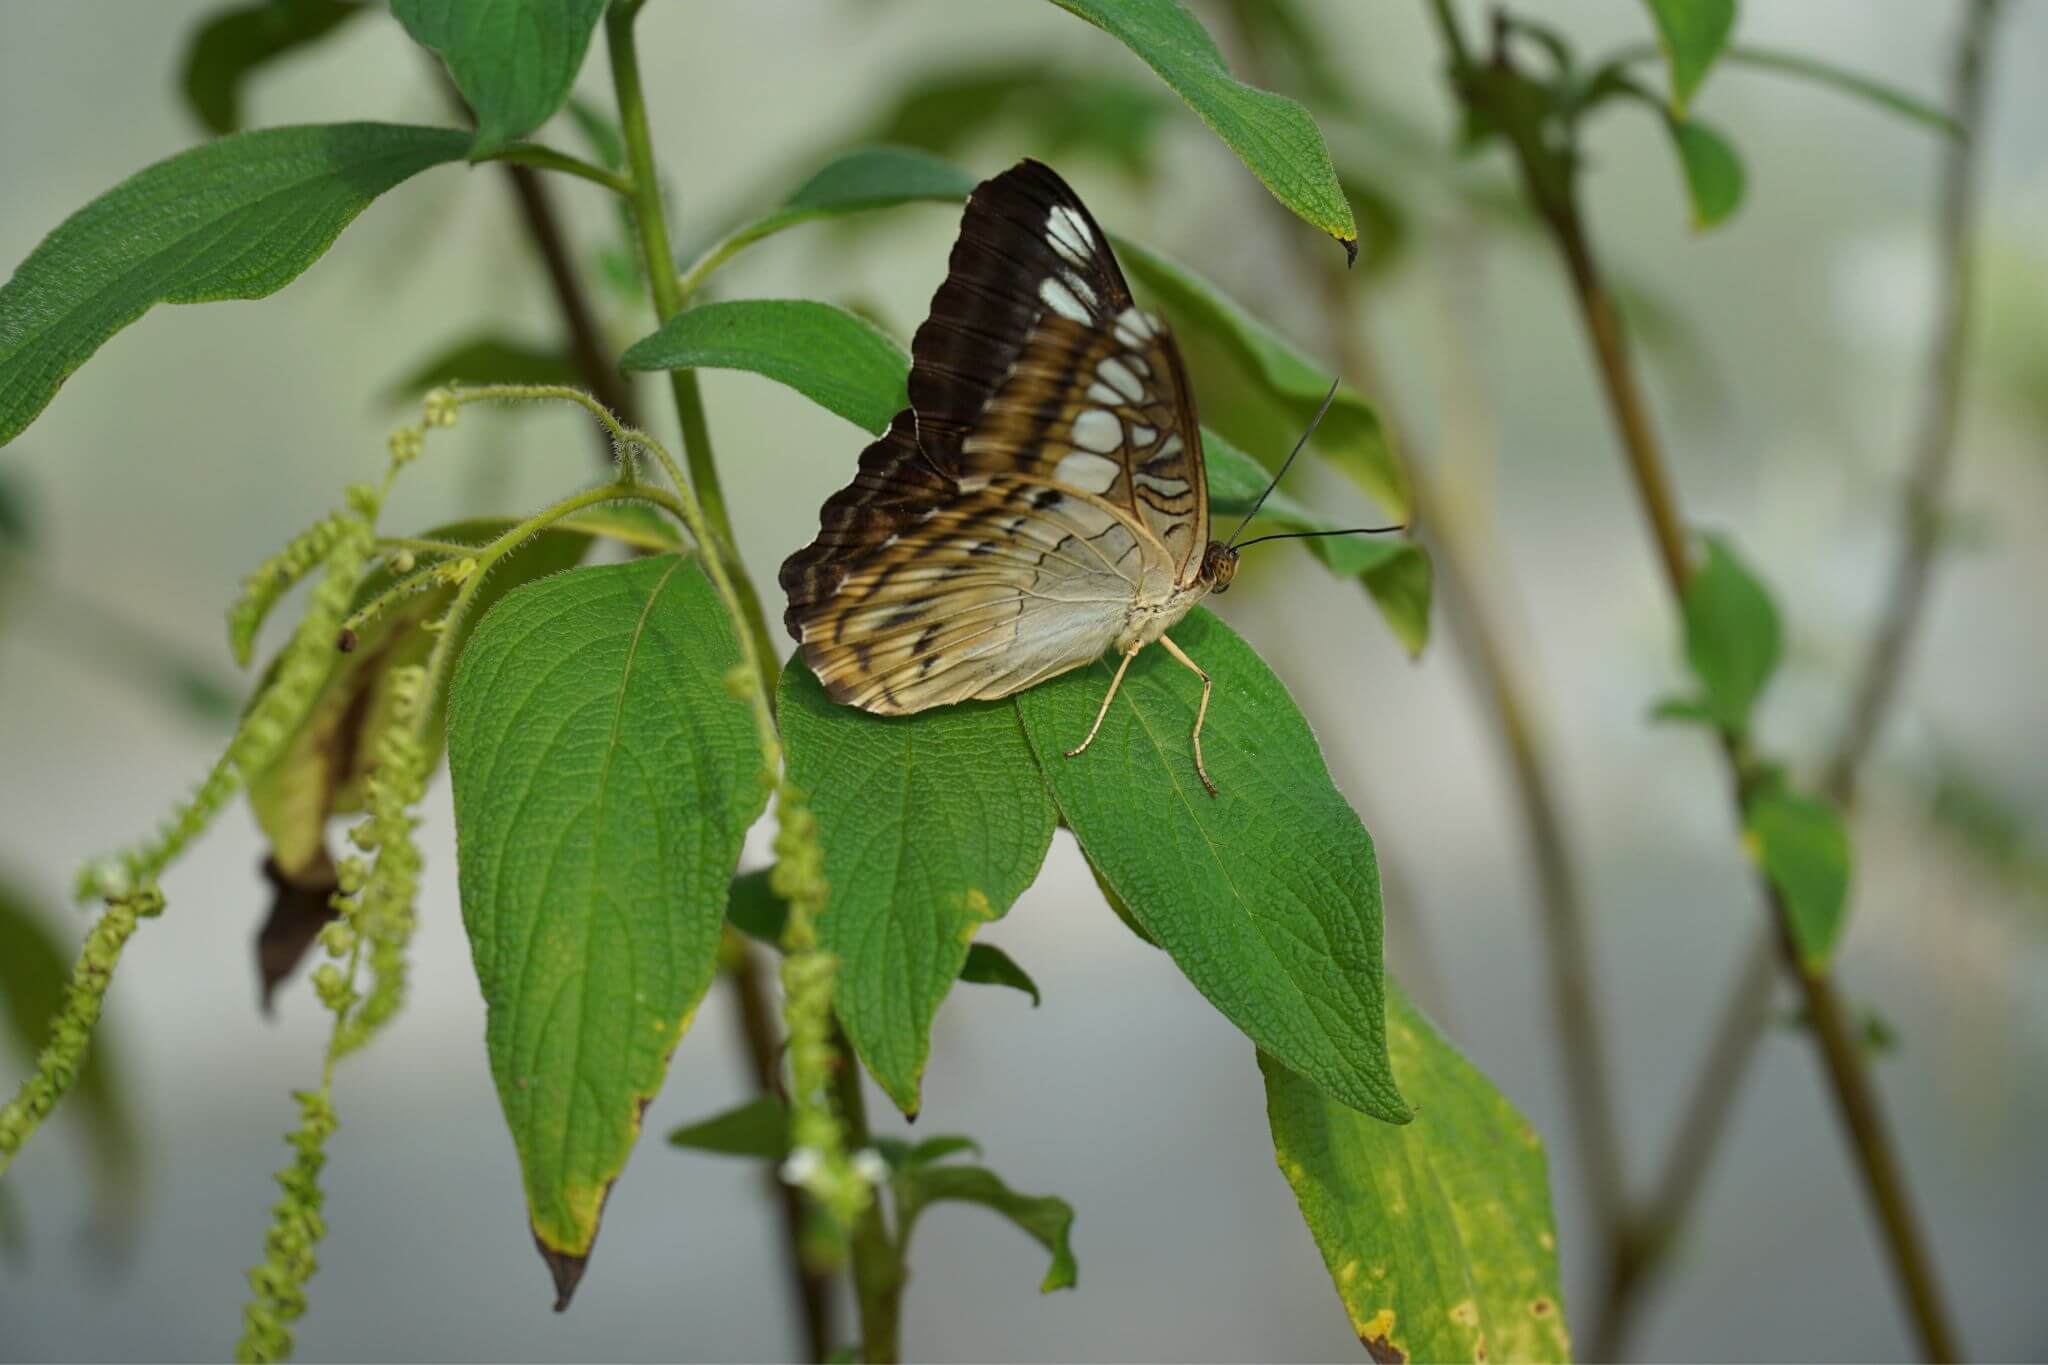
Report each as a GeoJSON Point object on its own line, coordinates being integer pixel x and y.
{"type": "Point", "coordinates": [818, 1161]}
{"type": "Point", "coordinates": [377, 904]}
{"type": "Point", "coordinates": [64, 1054]}
{"type": "Point", "coordinates": [296, 1227]}
{"type": "Point", "coordinates": [274, 577]}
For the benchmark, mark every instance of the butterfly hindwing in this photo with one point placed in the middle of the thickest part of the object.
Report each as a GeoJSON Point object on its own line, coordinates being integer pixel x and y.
{"type": "Point", "coordinates": [1045, 481]}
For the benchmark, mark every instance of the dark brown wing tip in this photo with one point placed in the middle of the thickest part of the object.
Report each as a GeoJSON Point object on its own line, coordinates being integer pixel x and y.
{"type": "Point", "coordinates": [566, 1267]}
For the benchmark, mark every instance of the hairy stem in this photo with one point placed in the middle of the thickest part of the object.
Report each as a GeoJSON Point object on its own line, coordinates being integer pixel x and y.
{"type": "Point", "coordinates": [1842, 1059]}
{"type": "Point", "coordinates": [652, 222]}
{"type": "Point", "coordinates": [879, 1273]}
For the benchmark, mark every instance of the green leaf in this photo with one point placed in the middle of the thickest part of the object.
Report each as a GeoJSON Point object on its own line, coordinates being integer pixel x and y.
{"type": "Point", "coordinates": [932, 825]}
{"type": "Point", "coordinates": [1713, 172]}
{"type": "Point", "coordinates": [837, 360]}
{"type": "Point", "coordinates": [936, 1149]}
{"type": "Point", "coordinates": [236, 42]}
{"type": "Point", "coordinates": [854, 182]}
{"type": "Point", "coordinates": [486, 358]}
{"type": "Point", "coordinates": [1271, 134]}
{"type": "Point", "coordinates": [1692, 34]}
{"type": "Point", "coordinates": [1351, 436]}
{"type": "Point", "coordinates": [1119, 909]}
{"type": "Point", "coordinates": [1397, 572]}
{"type": "Point", "coordinates": [513, 60]}
{"type": "Point", "coordinates": [320, 773]}
{"type": "Point", "coordinates": [1065, 115]}
{"type": "Point", "coordinates": [1047, 1218]}
{"type": "Point", "coordinates": [1848, 82]}
{"type": "Point", "coordinates": [1266, 895]}
{"type": "Point", "coordinates": [1437, 1235]}
{"type": "Point", "coordinates": [1683, 711]}
{"type": "Point", "coordinates": [1803, 847]}
{"type": "Point", "coordinates": [35, 971]}
{"type": "Point", "coordinates": [988, 965]}
{"type": "Point", "coordinates": [236, 219]}
{"type": "Point", "coordinates": [1731, 635]}
{"type": "Point", "coordinates": [758, 1128]}
{"type": "Point", "coordinates": [603, 777]}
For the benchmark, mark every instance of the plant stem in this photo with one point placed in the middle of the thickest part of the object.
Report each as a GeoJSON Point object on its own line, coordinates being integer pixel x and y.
{"type": "Point", "coordinates": [659, 259]}
{"type": "Point", "coordinates": [1746, 1019]}
{"type": "Point", "coordinates": [755, 1012]}
{"type": "Point", "coordinates": [879, 1273]}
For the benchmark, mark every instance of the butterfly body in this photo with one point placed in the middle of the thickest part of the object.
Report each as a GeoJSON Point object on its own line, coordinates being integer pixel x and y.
{"type": "Point", "coordinates": [1041, 501]}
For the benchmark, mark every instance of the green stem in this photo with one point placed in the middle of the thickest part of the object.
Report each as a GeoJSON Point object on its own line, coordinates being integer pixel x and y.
{"type": "Point", "coordinates": [879, 1273]}
{"type": "Point", "coordinates": [548, 159]}
{"type": "Point", "coordinates": [659, 259]}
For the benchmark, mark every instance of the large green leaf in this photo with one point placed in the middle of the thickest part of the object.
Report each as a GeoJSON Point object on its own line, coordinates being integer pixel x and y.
{"type": "Point", "coordinates": [1732, 639]}
{"type": "Point", "coordinates": [236, 219]}
{"type": "Point", "coordinates": [514, 60]}
{"type": "Point", "coordinates": [1803, 847]}
{"type": "Point", "coordinates": [1267, 895]}
{"type": "Point", "coordinates": [932, 825]}
{"type": "Point", "coordinates": [1270, 133]}
{"type": "Point", "coordinates": [1396, 572]}
{"type": "Point", "coordinates": [231, 46]}
{"type": "Point", "coordinates": [1692, 34]}
{"type": "Point", "coordinates": [604, 775]}
{"type": "Point", "coordinates": [35, 972]}
{"type": "Point", "coordinates": [1351, 436]}
{"type": "Point", "coordinates": [1438, 1234]}
{"type": "Point", "coordinates": [854, 182]}
{"type": "Point", "coordinates": [837, 360]}
{"type": "Point", "coordinates": [1047, 1218]}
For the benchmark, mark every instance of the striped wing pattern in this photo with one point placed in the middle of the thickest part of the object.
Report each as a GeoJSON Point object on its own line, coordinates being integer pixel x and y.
{"type": "Point", "coordinates": [1042, 491]}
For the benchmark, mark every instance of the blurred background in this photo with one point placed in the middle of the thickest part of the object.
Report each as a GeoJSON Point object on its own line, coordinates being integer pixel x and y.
{"type": "Point", "coordinates": [1786, 354]}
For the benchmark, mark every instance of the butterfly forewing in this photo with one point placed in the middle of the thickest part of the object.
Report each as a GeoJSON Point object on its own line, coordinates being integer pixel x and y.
{"type": "Point", "coordinates": [1045, 484]}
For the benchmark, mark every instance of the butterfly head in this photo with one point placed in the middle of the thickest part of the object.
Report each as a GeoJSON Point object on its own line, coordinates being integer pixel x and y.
{"type": "Point", "coordinates": [1219, 566]}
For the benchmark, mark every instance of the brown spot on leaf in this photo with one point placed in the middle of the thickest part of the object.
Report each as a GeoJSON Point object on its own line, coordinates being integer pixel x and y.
{"type": "Point", "coordinates": [567, 1268]}
{"type": "Point", "coordinates": [300, 907]}
{"type": "Point", "coordinates": [1383, 1351]}
{"type": "Point", "coordinates": [1542, 1308]}
{"type": "Point", "coordinates": [346, 641]}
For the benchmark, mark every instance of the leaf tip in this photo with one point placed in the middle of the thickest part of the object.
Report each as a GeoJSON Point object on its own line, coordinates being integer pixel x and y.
{"type": "Point", "coordinates": [566, 1267]}
{"type": "Point", "coordinates": [1350, 245]}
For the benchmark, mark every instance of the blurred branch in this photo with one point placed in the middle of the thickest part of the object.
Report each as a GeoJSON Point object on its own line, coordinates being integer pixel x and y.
{"type": "Point", "coordinates": [1560, 900]}
{"type": "Point", "coordinates": [1549, 180]}
{"type": "Point", "coordinates": [1747, 1017]}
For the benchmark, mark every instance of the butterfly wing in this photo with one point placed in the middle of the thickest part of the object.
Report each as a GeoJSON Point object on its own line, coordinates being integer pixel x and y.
{"type": "Point", "coordinates": [1045, 481]}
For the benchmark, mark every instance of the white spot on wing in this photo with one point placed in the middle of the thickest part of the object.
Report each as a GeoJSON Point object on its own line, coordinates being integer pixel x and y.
{"type": "Point", "coordinates": [1069, 236]}
{"type": "Point", "coordinates": [1141, 436]}
{"type": "Point", "coordinates": [1134, 329]}
{"type": "Point", "coordinates": [1099, 392]}
{"type": "Point", "coordinates": [1098, 431]}
{"type": "Point", "coordinates": [1118, 376]}
{"type": "Point", "coordinates": [1061, 300]}
{"type": "Point", "coordinates": [1089, 473]}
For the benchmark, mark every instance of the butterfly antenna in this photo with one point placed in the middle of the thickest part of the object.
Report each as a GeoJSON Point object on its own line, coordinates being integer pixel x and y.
{"type": "Point", "coordinates": [1306, 535]}
{"type": "Point", "coordinates": [1286, 464]}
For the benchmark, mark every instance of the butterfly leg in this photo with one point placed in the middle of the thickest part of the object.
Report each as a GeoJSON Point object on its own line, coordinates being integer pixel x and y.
{"type": "Point", "coordinates": [1201, 712]}
{"type": "Point", "coordinates": [1114, 684]}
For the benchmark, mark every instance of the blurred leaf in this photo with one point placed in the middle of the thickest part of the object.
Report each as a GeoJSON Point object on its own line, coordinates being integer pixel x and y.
{"type": "Point", "coordinates": [1732, 639]}
{"type": "Point", "coordinates": [1846, 81]}
{"type": "Point", "coordinates": [1351, 437]}
{"type": "Point", "coordinates": [1684, 711]}
{"type": "Point", "coordinates": [1267, 894]}
{"type": "Point", "coordinates": [936, 1149]}
{"type": "Point", "coordinates": [845, 365]}
{"type": "Point", "coordinates": [1286, 38]}
{"type": "Point", "coordinates": [1438, 1234]}
{"type": "Point", "coordinates": [232, 45]}
{"type": "Point", "coordinates": [600, 132]}
{"type": "Point", "coordinates": [17, 521]}
{"type": "Point", "coordinates": [753, 908]}
{"type": "Point", "coordinates": [238, 218]}
{"type": "Point", "coordinates": [1046, 1218]}
{"type": "Point", "coordinates": [1692, 34]}
{"type": "Point", "coordinates": [604, 776]}
{"type": "Point", "coordinates": [1988, 822]}
{"type": "Point", "coordinates": [988, 965]}
{"type": "Point", "coordinates": [1396, 572]}
{"type": "Point", "coordinates": [1803, 847]}
{"type": "Point", "coordinates": [1068, 114]}
{"type": "Point", "coordinates": [1384, 233]}
{"type": "Point", "coordinates": [513, 60]}
{"type": "Point", "coordinates": [13, 1231]}
{"type": "Point", "coordinates": [35, 973]}
{"type": "Point", "coordinates": [933, 824]}
{"type": "Point", "coordinates": [758, 1128]}
{"type": "Point", "coordinates": [1713, 172]}
{"type": "Point", "coordinates": [1272, 135]}
{"type": "Point", "coordinates": [854, 182]}
{"type": "Point", "coordinates": [486, 358]}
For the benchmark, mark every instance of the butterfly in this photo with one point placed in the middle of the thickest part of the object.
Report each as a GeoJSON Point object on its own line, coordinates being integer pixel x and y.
{"type": "Point", "coordinates": [1042, 499]}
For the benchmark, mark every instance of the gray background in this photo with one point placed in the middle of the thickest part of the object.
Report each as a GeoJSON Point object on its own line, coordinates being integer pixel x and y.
{"type": "Point", "coordinates": [180, 455]}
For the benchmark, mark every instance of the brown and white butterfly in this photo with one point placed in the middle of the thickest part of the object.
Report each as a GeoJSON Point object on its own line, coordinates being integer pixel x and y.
{"type": "Point", "coordinates": [1042, 498]}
